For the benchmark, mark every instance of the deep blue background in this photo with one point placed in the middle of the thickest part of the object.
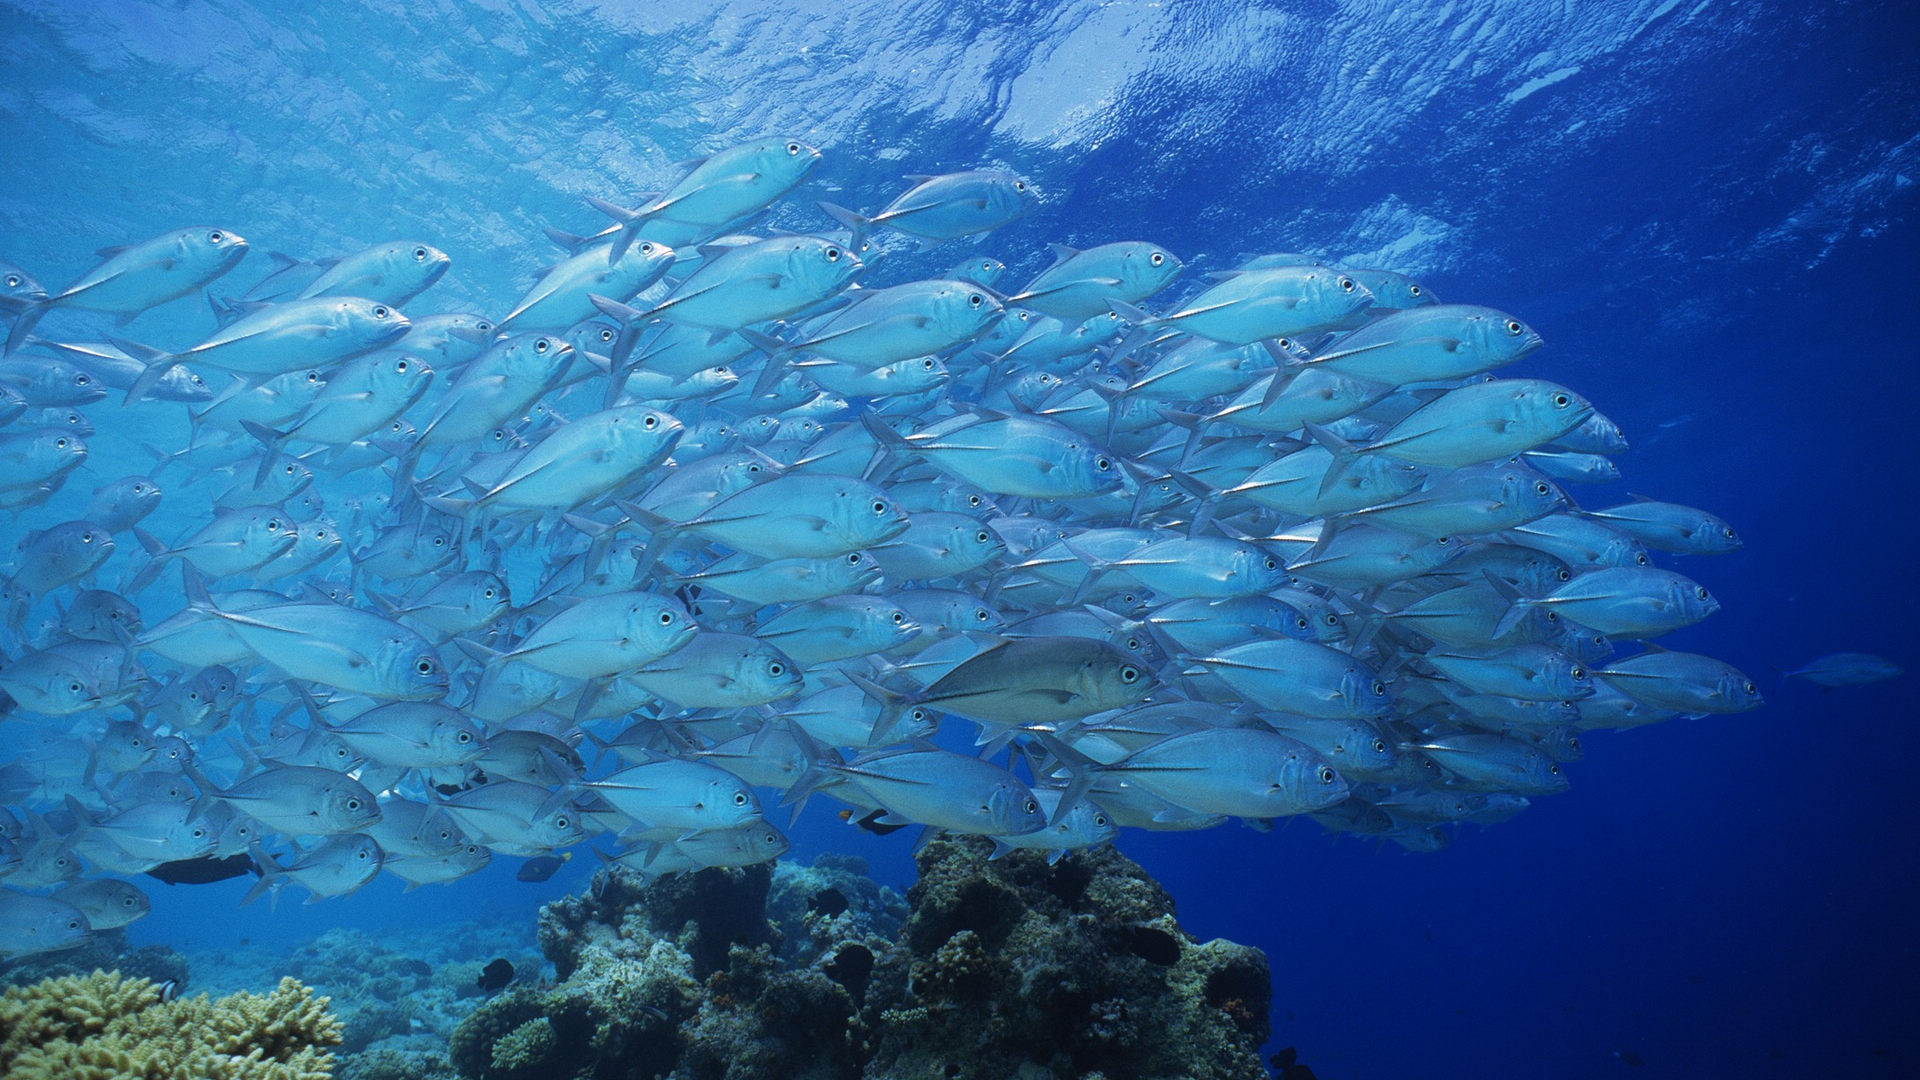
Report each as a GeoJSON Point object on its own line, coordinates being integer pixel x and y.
{"type": "Point", "coordinates": [1711, 221]}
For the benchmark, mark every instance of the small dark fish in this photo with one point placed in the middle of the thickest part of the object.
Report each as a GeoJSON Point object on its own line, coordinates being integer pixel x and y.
{"type": "Point", "coordinates": [495, 976]}
{"type": "Point", "coordinates": [1630, 1058]}
{"type": "Point", "coordinates": [542, 868]}
{"type": "Point", "coordinates": [414, 966]}
{"type": "Point", "coordinates": [828, 902]}
{"type": "Point", "coordinates": [871, 822]}
{"type": "Point", "coordinates": [204, 870]}
{"type": "Point", "coordinates": [1287, 1066]}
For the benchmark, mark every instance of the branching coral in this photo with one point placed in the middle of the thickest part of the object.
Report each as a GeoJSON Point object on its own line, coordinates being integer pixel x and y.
{"type": "Point", "coordinates": [132, 1035]}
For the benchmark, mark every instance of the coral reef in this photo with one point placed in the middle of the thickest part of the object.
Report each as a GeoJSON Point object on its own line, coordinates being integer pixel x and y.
{"type": "Point", "coordinates": [108, 1027]}
{"type": "Point", "coordinates": [989, 969]}
{"type": "Point", "coordinates": [104, 950]}
{"type": "Point", "coordinates": [1017, 968]}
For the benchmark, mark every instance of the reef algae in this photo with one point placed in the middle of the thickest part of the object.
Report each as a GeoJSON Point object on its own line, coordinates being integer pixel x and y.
{"type": "Point", "coordinates": [987, 969]}
{"type": "Point", "coordinates": [103, 1026]}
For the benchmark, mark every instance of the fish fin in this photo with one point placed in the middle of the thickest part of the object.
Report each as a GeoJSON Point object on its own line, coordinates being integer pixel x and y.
{"type": "Point", "coordinates": [567, 241]}
{"type": "Point", "coordinates": [157, 363]}
{"type": "Point", "coordinates": [630, 222]}
{"type": "Point", "coordinates": [24, 322]}
{"type": "Point", "coordinates": [855, 223]}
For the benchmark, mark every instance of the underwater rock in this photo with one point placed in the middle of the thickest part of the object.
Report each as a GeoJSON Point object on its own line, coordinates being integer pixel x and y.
{"type": "Point", "coordinates": [615, 1015]}
{"type": "Point", "coordinates": [1010, 967]}
{"type": "Point", "coordinates": [989, 969]}
{"type": "Point", "coordinates": [106, 1027]}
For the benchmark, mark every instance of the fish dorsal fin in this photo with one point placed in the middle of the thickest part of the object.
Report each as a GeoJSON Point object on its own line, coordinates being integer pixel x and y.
{"type": "Point", "coordinates": [110, 252]}
{"type": "Point", "coordinates": [1061, 253]}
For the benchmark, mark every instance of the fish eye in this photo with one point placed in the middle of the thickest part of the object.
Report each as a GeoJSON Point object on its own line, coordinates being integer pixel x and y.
{"type": "Point", "coordinates": [1514, 327]}
{"type": "Point", "coordinates": [483, 326]}
{"type": "Point", "coordinates": [739, 798]}
{"type": "Point", "coordinates": [1642, 560]}
{"type": "Point", "coordinates": [419, 254]}
{"type": "Point", "coordinates": [1031, 807]}
{"type": "Point", "coordinates": [424, 667]}
{"type": "Point", "coordinates": [1749, 688]}
{"type": "Point", "coordinates": [561, 822]}
{"type": "Point", "coordinates": [73, 687]}
{"type": "Point", "coordinates": [1156, 258]}
{"type": "Point", "coordinates": [59, 444]}
{"type": "Point", "coordinates": [776, 668]}
{"type": "Point", "coordinates": [606, 333]}
{"type": "Point", "coordinates": [313, 376]}
{"type": "Point", "coordinates": [666, 618]}
{"type": "Point", "coordinates": [899, 617]}
{"type": "Point", "coordinates": [1542, 487]}
{"type": "Point", "coordinates": [87, 538]}
{"type": "Point", "coordinates": [650, 422]}
{"type": "Point", "coordinates": [974, 501]}
{"type": "Point", "coordinates": [1129, 674]}
{"type": "Point", "coordinates": [73, 924]}
{"type": "Point", "coordinates": [464, 737]}
{"type": "Point", "coordinates": [1564, 575]}
{"type": "Point", "coordinates": [1346, 284]}
{"type": "Point", "coordinates": [1561, 401]}
{"type": "Point", "coordinates": [216, 236]}
{"type": "Point", "coordinates": [1700, 592]}
{"type": "Point", "coordinates": [273, 524]}
{"type": "Point", "coordinates": [353, 803]}
{"type": "Point", "coordinates": [646, 247]}
{"type": "Point", "coordinates": [380, 311]}
{"type": "Point", "coordinates": [1444, 540]}
{"type": "Point", "coordinates": [879, 506]}
{"type": "Point", "coordinates": [853, 559]}
{"type": "Point", "coordinates": [400, 366]}
{"type": "Point", "coordinates": [1379, 687]}
{"type": "Point", "coordinates": [1102, 464]}
{"type": "Point", "coordinates": [1554, 769]}
{"type": "Point", "coordinates": [1332, 619]}
{"type": "Point", "coordinates": [542, 345]}
{"type": "Point", "coordinates": [139, 489]}
{"type": "Point", "coordinates": [1579, 673]}
{"type": "Point", "coordinates": [833, 254]}
{"type": "Point", "coordinates": [1019, 185]}
{"type": "Point", "coordinates": [1413, 290]}
{"type": "Point", "coordinates": [975, 300]}
{"type": "Point", "coordinates": [793, 149]}
{"type": "Point", "coordinates": [13, 281]}
{"type": "Point", "coordinates": [1379, 746]}
{"type": "Point", "coordinates": [81, 380]}
{"type": "Point", "coordinates": [1326, 775]}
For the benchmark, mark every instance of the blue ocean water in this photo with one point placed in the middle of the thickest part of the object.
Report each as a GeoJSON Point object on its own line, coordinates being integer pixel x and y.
{"type": "Point", "coordinates": [1706, 208]}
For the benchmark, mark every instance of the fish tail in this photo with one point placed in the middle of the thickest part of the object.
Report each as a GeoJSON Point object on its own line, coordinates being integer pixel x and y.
{"type": "Point", "coordinates": [854, 222]}
{"type": "Point", "coordinates": [29, 317]}
{"type": "Point", "coordinates": [1344, 455]}
{"type": "Point", "coordinates": [630, 222]}
{"type": "Point", "coordinates": [272, 441]}
{"type": "Point", "coordinates": [157, 362]}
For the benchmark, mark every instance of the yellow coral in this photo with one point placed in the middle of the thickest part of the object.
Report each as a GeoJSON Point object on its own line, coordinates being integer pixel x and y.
{"type": "Point", "coordinates": [74, 1007]}
{"type": "Point", "coordinates": [276, 1036]}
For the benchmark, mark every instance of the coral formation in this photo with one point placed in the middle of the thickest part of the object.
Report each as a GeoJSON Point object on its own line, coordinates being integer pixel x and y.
{"type": "Point", "coordinates": [990, 969]}
{"type": "Point", "coordinates": [1013, 967]}
{"type": "Point", "coordinates": [107, 1027]}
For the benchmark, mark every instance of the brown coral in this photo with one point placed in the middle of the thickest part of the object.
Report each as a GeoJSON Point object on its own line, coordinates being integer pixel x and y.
{"type": "Point", "coordinates": [275, 1036]}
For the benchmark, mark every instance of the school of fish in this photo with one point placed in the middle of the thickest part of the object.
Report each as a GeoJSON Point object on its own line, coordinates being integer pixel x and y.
{"type": "Point", "coordinates": [711, 521]}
